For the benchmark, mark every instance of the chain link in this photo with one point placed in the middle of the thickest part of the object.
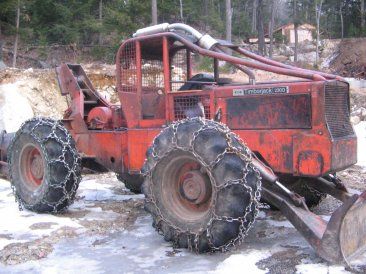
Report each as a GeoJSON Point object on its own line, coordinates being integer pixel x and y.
{"type": "Point", "coordinates": [313, 191]}
{"type": "Point", "coordinates": [73, 169]}
{"type": "Point", "coordinates": [239, 149]}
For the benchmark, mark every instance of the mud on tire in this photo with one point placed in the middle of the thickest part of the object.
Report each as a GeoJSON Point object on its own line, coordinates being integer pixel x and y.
{"type": "Point", "coordinates": [200, 185]}
{"type": "Point", "coordinates": [132, 181]}
{"type": "Point", "coordinates": [44, 166]}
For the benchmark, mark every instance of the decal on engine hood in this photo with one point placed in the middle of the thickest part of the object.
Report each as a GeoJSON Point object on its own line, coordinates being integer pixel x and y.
{"type": "Point", "coordinates": [260, 91]}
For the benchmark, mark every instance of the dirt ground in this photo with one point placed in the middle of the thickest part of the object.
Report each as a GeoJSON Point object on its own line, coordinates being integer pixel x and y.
{"type": "Point", "coordinates": [349, 57]}
{"type": "Point", "coordinates": [106, 229]}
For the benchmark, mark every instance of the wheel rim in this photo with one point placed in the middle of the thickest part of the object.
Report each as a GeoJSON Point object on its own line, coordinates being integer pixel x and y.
{"type": "Point", "coordinates": [32, 166]}
{"type": "Point", "coordinates": [186, 188]}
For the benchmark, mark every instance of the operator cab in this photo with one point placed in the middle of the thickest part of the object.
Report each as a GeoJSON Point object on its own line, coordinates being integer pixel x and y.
{"type": "Point", "coordinates": [150, 69]}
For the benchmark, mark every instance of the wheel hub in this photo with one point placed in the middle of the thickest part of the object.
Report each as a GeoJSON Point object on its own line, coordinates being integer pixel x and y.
{"type": "Point", "coordinates": [36, 166]}
{"type": "Point", "coordinates": [32, 166]}
{"type": "Point", "coordinates": [194, 187]}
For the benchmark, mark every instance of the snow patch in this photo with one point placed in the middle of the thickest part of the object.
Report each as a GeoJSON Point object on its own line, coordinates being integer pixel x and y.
{"type": "Point", "coordinates": [361, 143]}
{"type": "Point", "coordinates": [98, 214]}
{"type": "Point", "coordinates": [58, 263]}
{"type": "Point", "coordinates": [320, 269]}
{"type": "Point", "coordinates": [279, 223]}
{"type": "Point", "coordinates": [16, 224]}
{"type": "Point", "coordinates": [14, 108]}
{"type": "Point", "coordinates": [261, 215]}
{"type": "Point", "coordinates": [243, 263]}
{"type": "Point", "coordinates": [90, 190]}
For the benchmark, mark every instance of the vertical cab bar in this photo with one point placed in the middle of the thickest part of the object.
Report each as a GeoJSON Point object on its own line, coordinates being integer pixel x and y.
{"type": "Point", "coordinates": [166, 76]}
{"type": "Point", "coordinates": [138, 70]}
{"type": "Point", "coordinates": [189, 66]}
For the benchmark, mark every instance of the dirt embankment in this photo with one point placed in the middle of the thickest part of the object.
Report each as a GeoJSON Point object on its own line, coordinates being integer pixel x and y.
{"type": "Point", "coordinates": [35, 92]}
{"type": "Point", "coordinates": [348, 58]}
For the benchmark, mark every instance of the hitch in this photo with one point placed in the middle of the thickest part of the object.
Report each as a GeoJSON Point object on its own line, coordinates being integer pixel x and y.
{"type": "Point", "coordinates": [338, 241]}
{"type": "Point", "coordinates": [5, 139]}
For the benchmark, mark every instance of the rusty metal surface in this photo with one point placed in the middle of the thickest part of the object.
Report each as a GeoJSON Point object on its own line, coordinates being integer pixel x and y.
{"type": "Point", "coordinates": [100, 118]}
{"type": "Point", "coordinates": [325, 186]}
{"type": "Point", "coordinates": [343, 153]}
{"type": "Point", "coordinates": [353, 230]}
{"type": "Point", "coordinates": [270, 112]}
{"type": "Point", "coordinates": [310, 162]}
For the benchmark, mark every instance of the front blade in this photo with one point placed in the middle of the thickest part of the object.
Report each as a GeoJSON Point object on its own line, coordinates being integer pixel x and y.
{"type": "Point", "coordinates": [352, 235]}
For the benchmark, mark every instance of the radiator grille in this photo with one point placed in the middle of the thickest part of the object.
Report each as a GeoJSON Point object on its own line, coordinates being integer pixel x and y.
{"type": "Point", "coordinates": [337, 109]}
{"type": "Point", "coordinates": [188, 106]}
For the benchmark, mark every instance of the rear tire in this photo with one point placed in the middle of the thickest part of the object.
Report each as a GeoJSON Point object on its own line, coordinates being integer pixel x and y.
{"type": "Point", "coordinates": [200, 185]}
{"type": "Point", "coordinates": [132, 181]}
{"type": "Point", "coordinates": [44, 166]}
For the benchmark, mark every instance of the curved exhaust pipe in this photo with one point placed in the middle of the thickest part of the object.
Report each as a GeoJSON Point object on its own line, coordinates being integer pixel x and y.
{"type": "Point", "coordinates": [205, 41]}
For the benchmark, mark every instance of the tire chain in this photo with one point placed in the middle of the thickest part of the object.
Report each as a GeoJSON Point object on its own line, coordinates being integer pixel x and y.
{"type": "Point", "coordinates": [243, 152]}
{"type": "Point", "coordinates": [72, 170]}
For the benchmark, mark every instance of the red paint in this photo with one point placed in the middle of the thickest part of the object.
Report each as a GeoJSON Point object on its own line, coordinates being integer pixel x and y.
{"type": "Point", "coordinates": [120, 141]}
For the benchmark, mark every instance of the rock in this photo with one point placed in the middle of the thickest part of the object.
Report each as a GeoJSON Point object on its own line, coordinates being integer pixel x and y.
{"type": "Point", "coordinates": [363, 114]}
{"type": "Point", "coordinates": [280, 58]}
{"type": "Point", "coordinates": [44, 65]}
{"type": "Point", "coordinates": [355, 120]}
{"type": "Point", "coordinates": [307, 57]}
{"type": "Point", "coordinates": [29, 70]}
{"type": "Point", "coordinates": [308, 48]}
{"type": "Point", "coordinates": [2, 65]}
{"type": "Point", "coordinates": [286, 50]}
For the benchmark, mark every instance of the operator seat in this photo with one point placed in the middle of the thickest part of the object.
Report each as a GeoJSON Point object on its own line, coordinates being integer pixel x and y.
{"type": "Point", "coordinates": [200, 77]}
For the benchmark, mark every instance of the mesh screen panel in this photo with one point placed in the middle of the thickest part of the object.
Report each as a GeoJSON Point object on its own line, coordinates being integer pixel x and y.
{"type": "Point", "coordinates": [178, 72]}
{"type": "Point", "coordinates": [187, 105]}
{"type": "Point", "coordinates": [152, 73]}
{"type": "Point", "coordinates": [128, 68]}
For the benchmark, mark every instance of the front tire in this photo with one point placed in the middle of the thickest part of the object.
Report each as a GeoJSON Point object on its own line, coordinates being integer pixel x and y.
{"type": "Point", "coordinates": [200, 185]}
{"type": "Point", "coordinates": [44, 166]}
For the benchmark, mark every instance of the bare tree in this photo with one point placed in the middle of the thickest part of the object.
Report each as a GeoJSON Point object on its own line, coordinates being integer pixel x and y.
{"type": "Point", "coordinates": [342, 22]}
{"type": "Point", "coordinates": [100, 21]}
{"type": "Point", "coordinates": [154, 12]}
{"type": "Point", "coordinates": [229, 14]}
{"type": "Point", "coordinates": [318, 12]}
{"type": "Point", "coordinates": [1, 44]}
{"type": "Point", "coordinates": [260, 28]}
{"type": "Point", "coordinates": [181, 9]}
{"type": "Point", "coordinates": [363, 14]}
{"type": "Point", "coordinates": [205, 13]}
{"type": "Point", "coordinates": [296, 26]}
{"type": "Point", "coordinates": [16, 35]}
{"type": "Point", "coordinates": [271, 25]}
{"type": "Point", "coordinates": [254, 16]}
{"type": "Point", "coordinates": [1, 53]}
{"type": "Point", "coordinates": [228, 22]}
